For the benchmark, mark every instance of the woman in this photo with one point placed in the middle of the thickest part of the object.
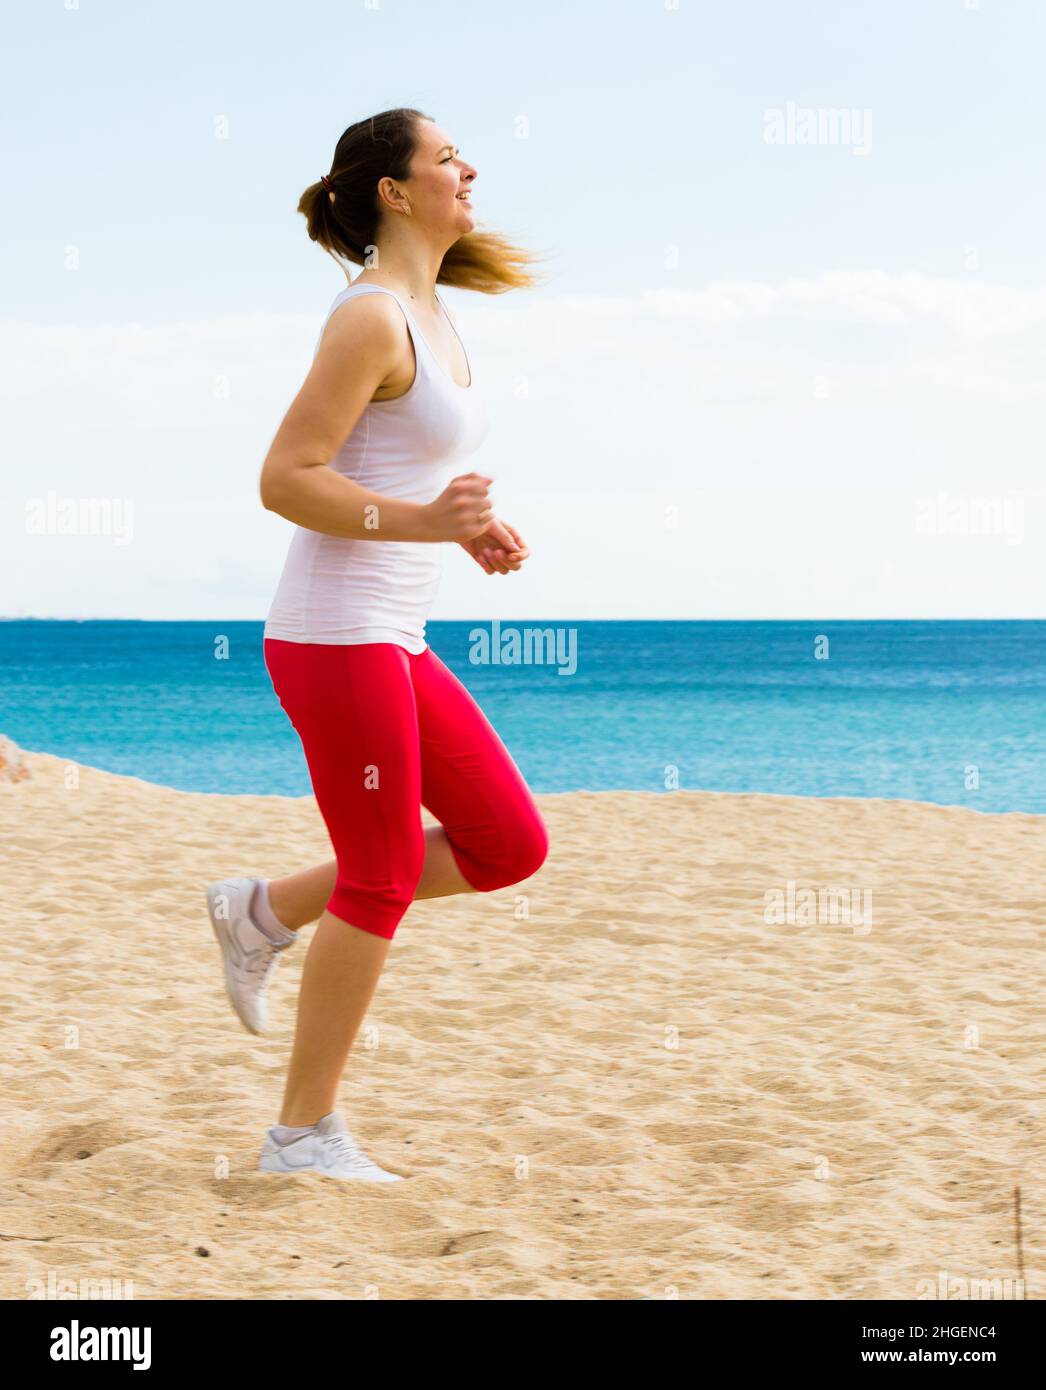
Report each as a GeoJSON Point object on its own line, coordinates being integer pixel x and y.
{"type": "Point", "coordinates": [386, 728]}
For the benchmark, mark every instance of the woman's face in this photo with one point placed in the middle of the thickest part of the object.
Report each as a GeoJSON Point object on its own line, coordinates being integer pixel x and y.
{"type": "Point", "coordinates": [438, 179]}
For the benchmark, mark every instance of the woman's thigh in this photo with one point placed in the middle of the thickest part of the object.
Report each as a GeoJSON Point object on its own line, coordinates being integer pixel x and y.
{"type": "Point", "coordinates": [353, 708]}
{"type": "Point", "coordinates": [471, 783]}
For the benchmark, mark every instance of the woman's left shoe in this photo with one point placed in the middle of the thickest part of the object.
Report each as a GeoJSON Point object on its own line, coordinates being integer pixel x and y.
{"type": "Point", "coordinates": [249, 957]}
{"type": "Point", "coordinates": [327, 1148]}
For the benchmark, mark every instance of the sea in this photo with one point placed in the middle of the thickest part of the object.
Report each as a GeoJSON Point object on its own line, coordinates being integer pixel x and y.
{"type": "Point", "coordinates": [946, 712]}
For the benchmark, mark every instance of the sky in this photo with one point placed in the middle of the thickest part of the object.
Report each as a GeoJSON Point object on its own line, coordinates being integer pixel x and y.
{"type": "Point", "coordinates": [786, 362]}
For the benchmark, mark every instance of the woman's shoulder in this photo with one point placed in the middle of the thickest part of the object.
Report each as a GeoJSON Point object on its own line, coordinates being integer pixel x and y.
{"type": "Point", "coordinates": [375, 319]}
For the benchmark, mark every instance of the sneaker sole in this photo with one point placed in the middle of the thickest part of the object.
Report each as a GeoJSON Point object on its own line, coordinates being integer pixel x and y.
{"type": "Point", "coordinates": [325, 1173]}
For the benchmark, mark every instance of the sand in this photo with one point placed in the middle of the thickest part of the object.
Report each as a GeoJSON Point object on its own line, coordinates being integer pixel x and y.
{"type": "Point", "coordinates": [642, 1089]}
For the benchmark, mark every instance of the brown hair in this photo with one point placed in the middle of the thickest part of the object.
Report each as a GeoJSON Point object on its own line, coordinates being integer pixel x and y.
{"type": "Point", "coordinates": [344, 220]}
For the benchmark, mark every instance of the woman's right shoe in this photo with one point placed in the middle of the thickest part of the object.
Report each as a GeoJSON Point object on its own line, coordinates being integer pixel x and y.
{"type": "Point", "coordinates": [329, 1149]}
{"type": "Point", "coordinates": [248, 956]}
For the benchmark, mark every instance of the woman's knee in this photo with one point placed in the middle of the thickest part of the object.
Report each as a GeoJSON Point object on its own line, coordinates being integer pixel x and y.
{"type": "Point", "coordinates": [372, 910]}
{"type": "Point", "coordinates": [375, 896]}
{"type": "Point", "coordinates": [535, 847]}
{"type": "Point", "coordinates": [524, 848]}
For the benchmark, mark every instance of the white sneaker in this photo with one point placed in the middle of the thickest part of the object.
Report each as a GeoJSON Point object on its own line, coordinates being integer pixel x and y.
{"type": "Point", "coordinates": [329, 1148]}
{"type": "Point", "coordinates": [248, 954]}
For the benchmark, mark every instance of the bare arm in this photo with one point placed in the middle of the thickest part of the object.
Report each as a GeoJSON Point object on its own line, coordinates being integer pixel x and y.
{"type": "Point", "coordinates": [361, 346]}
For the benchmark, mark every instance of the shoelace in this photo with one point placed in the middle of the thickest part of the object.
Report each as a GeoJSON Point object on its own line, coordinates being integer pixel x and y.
{"type": "Point", "coordinates": [260, 963]}
{"type": "Point", "coordinates": [261, 960]}
{"type": "Point", "coordinates": [347, 1151]}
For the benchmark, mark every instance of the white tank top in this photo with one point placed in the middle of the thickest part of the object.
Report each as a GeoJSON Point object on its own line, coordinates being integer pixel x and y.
{"type": "Point", "coordinates": [342, 591]}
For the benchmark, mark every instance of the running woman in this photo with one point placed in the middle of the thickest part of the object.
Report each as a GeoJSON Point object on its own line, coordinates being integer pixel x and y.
{"type": "Point", "coordinates": [370, 463]}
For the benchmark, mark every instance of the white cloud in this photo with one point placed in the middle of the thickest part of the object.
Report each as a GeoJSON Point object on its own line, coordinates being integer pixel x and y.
{"type": "Point", "coordinates": [794, 425]}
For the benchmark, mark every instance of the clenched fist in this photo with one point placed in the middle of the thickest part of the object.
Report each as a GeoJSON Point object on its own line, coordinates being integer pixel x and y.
{"type": "Point", "coordinates": [461, 511]}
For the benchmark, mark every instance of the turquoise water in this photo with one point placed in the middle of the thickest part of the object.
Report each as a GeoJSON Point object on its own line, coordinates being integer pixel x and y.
{"type": "Point", "coordinates": [896, 709]}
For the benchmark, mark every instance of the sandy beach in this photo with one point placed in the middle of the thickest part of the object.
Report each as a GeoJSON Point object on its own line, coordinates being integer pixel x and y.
{"type": "Point", "coordinates": [626, 1078]}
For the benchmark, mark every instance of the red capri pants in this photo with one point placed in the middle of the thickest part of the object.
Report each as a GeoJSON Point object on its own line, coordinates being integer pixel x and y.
{"type": "Point", "coordinates": [386, 732]}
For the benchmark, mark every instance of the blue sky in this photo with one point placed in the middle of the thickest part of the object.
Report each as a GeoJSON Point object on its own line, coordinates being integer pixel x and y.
{"type": "Point", "coordinates": [836, 336]}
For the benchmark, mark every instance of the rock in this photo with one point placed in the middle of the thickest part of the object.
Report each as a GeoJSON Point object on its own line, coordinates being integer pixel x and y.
{"type": "Point", "coordinates": [13, 767]}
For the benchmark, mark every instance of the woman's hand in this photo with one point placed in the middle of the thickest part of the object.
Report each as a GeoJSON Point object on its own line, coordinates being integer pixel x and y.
{"type": "Point", "coordinates": [500, 549]}
{"type": "Point", "coordinates": [462, 512]}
